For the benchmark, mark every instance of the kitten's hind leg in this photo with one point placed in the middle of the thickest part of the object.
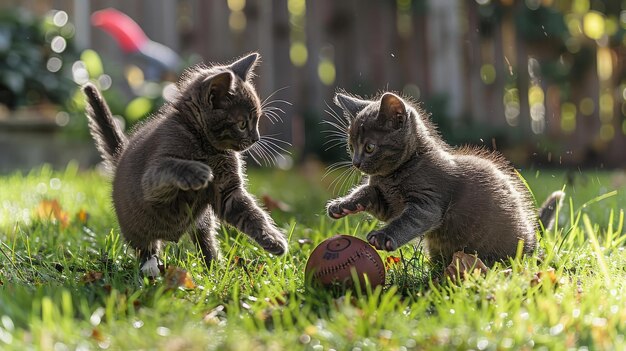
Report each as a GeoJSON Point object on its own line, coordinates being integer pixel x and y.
{"type": "Point", "coordinates": [149, 259]}
{"type": "Point", "coordinates": [161, 181]}
{"type": "Point", "coordinates": [203, 236]}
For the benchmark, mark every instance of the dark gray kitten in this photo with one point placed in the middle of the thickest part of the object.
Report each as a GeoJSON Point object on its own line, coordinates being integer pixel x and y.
{"type": "Point", "coordinates": [181, 170]}
{"type": "Point", "coordinates": [464, 199]}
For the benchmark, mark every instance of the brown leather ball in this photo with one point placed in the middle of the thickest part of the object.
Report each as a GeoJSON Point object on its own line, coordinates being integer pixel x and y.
{"type": "Point", "coordinates": [333, 260]}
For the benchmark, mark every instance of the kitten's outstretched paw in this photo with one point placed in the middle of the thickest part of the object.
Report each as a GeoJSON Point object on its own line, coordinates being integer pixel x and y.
{"type": "Point", "coordinates": [196, 177]}
{"type": "Point", "coordinates": [382, 241]}
{"type": "Point", "coordinates": [340, 209]}
{"type": "Point", "coordinates": [152, 267]}
{"type": "Point", "coordinates": [273, 241]}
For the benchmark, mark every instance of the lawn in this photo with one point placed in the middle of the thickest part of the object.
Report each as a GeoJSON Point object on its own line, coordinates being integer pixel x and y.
{"type": "Point", "coordinates": [67, 280]}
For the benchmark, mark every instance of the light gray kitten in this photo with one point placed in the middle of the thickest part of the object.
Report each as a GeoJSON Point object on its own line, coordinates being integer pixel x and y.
{"type": "Point", "coordinates": [181, 170]}
{"type": "Point", "coordinates": [465, 199]}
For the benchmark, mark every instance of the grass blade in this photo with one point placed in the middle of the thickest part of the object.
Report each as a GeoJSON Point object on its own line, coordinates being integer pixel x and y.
{"type": "Point", "coordinates": [597, 249]}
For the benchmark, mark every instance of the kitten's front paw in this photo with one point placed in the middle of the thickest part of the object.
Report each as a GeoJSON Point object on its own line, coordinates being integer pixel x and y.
{"type": "Point", "coordinates": [151, 268]}
{"type": "Point", "coordinates": [382, 241]}
{"type": "Point", "coordinates": [337, 209]}
{"type": "Point", "coordinates": [196, 177]}
{"type": "Point", "coordinates": [273, 241]}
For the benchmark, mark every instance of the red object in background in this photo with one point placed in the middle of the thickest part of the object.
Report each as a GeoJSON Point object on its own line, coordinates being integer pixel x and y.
{"type": "Point", "coordinates": [132, 39]}
{"type": "Point", "coordinates": [128, 34]}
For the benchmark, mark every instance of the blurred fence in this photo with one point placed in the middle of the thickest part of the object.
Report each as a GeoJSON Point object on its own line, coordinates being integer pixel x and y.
{"type": "Point", "coordinates": [541, 80]}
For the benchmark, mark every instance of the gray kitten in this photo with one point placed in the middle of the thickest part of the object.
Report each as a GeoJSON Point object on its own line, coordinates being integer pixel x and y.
{"type": "Point", "coordinates": [181, 170]}
{"type": "Point", "coordinates": [464, 199]}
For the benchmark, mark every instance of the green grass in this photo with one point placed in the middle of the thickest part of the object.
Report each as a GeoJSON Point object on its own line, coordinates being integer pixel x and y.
{"type": "Point", "coordinates": [67, 284]}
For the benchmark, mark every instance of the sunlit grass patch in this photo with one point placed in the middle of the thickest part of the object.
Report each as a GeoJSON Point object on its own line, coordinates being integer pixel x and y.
{"type": "Point", "coordinates": [67, 280]}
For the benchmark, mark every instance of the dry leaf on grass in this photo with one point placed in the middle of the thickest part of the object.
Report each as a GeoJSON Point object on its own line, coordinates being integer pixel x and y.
{"type": "Point", "coordinates": [176, 277]}
{"type": "Point", "coordinates": [240, 262]}
{"type": "Point", "coordinates": [464, 265]}
{"type": "Point", "coordinates": [97, 335]}
{"type": "Point", "coordinates": [82, 216]}
{"type": "Point", "coordinates": [91, 276]}
{"type": "Point", "coordinates": [272, 204]}
{"type": "Point", "coordinates": [51, 209]}
{"type": "Point", "coordinates": [548, 275]}
{"type": "Point", "coordinates": [391, 261]}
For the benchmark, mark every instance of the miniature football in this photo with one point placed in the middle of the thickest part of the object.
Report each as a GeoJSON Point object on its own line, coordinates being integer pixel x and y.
{"type": "Point", "coordinates": [333, 261]}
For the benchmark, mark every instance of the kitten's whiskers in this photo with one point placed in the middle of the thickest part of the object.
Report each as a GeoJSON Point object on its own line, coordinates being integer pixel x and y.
{"type": "Point", "coordinates": [252, 151]}
{"type": "Point", "coordinates": [353, 177]}
{"type": "Point", "coordinates": [267, 100]}
{"type": "Point", "coordinates": [345, 179]}
{"type": "Point", "coordinates": [269, 150]}
{"type": "Point", "coordinates": [329, 110]}
{"type": "Point", "coordinates": [341, 179]}
{"type": "Point", "coordinates": [338, 134]}
{"type": "Point", "coordinates": [273, 113]}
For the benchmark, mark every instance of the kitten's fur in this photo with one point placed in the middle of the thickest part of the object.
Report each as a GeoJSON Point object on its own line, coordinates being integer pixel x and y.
{"type": "Point", "coordinates": [181, 170]}
{"type": "Point", "coordinates": [465, 199]}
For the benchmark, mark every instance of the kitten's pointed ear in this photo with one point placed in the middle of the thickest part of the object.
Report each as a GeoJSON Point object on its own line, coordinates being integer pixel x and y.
{"type": "Point", "coordinates": [350, 104]}
{"type": "Point", "coordinates": [243, 67]}
{"type": "Point", "coordinates": [219, 86]}
{"type": "Point", "coordinates": [392, 110]}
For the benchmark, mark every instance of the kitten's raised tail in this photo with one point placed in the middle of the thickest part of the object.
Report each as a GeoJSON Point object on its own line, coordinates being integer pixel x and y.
{"type": "Point", "coordinates": [109, 137]}
{"type": "Point", "coordinates": [547, 211]}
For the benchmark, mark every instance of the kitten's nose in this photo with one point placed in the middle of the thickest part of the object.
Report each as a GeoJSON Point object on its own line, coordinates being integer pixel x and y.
{"type": "Point", "coordinates": [255, 137]}
{"type": "Point", "coordinates": [356, 162]}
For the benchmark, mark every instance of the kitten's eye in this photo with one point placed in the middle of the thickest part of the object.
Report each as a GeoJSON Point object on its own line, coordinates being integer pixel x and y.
{"type": "Point", "coordinates": [369, 148]}
{"type": "Point", "coordinates": [242, 124]}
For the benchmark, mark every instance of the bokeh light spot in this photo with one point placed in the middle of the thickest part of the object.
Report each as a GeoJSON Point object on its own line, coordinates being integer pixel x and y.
{"type": "Point", "coordinates": [298, 54]}
{"type": "Point", "coordinates": [79, 73]}
{"type": "Point", "coordinates": [573, 45]}
{"type": "Point", "coordinates": [60, 18]}
{"type": "Point", "coordinates": [138, 108]}
{"type": "Point", "coordinates": [62, 118]}
{"type": "Point", "coordinates": [593, 25]}
{"type": "Point", "coordinates": [568, 117]}
{"type": "Point", "coordinates": [296, 7]}
{"type": "Point", "coordinates": [54, 64]}
{"type": "Point", "coordinates": [105, 81]}
{"type": "Point", "coordinates": [580, 6]}
{"type": "Point", "coordinates": [236, 5]}
{"type": "Point", "coordinates": [170, 91]}
{"type": "Point", "coordinates": [134, 76]}
{"type": "Point", "coordinates": [511, 106]}
{"type": "Point", "coordinates": [58, 44]}
{"type": "Point", "coordinates": [533, 4]}
{"type": "Point", "coordinates": [535, 95]}
{"type": "Point", "coordinates": [93, 63]}
{"type": "Point", "coordinates": [404, 24]}
{"type": "Point", "coordinates": [604, 63]}
{"type": "Point", "coordinates": [237, 21]}
{"type": "Point", "coordinates": [573, 24]}
{"type": "Point", "coordinates": [587, 106]}
{"type": "Point", "coordinates": [412, 90]}
{"type": "Point", "coordinates": [488, 73]}
{"type": "Point", "coordinates": [607, 132]}
{"type": "Point", "coordinates": [606, 107]}
{"type": "Point", "coordinates": [326, 71]}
